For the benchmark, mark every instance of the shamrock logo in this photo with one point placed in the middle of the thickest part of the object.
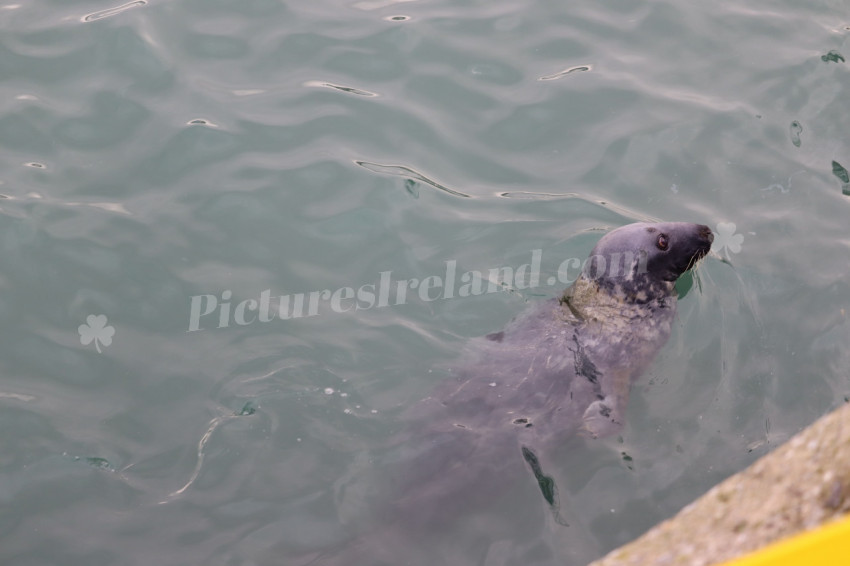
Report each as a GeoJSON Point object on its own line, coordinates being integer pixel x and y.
{"type": "Point", "coordinates": [97, 330]}
{"type": "Point", "coordinates": [726, 238]}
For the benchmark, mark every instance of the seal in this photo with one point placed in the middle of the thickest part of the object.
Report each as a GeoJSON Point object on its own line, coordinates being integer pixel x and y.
{"type": "Point", "coordinates": [562, 368]}
{"type": "Point", "coordinates": [578, 354]}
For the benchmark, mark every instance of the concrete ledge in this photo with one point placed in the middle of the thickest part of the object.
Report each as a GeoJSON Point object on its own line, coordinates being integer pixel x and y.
{"type": "Point", "coordinates": [802, 484]}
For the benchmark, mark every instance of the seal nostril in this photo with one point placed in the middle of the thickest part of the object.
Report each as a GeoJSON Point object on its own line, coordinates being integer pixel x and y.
{"type": "Point", "coordinates": [705, 233]}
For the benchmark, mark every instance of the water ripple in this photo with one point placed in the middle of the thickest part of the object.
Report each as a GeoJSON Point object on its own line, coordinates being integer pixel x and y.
{"type": "Point", "coordinates": [94, 16]}
{"type": "Point", "coordinates": [408, 173]}
{"type": "Point", "coordinates": [201, 122]}
{"type": "Point", "coordinates": [565, 72]}
{"type": "Point", "coordinates": [624, 211]}
{"type": "Point", "coordinates": [368, 5]}
{"type": "Point", "coordinates": [534, 195]}
{"type": "Point", "coordinates": [347, 89]}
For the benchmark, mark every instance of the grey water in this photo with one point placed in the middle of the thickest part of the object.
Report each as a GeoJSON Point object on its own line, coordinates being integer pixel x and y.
{"type": "Point", "coordinates": [235, 161]}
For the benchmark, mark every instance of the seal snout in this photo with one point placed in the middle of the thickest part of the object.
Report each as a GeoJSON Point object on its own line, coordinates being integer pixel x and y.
{"type": "Point", "coordinates": [705, 237]}
{"type": "Point", "coordinates": [702, 240]}
{"type": "Point", "coordinates": [705, 233]}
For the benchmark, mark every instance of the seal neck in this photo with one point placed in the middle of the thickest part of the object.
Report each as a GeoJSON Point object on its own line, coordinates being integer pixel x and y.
{"type": "Point", "coordinates": [592, 300]}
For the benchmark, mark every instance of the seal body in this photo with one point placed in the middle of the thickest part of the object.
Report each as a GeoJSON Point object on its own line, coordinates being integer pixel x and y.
{"type": "Point", "coordinates": [563, 367]}
{"type": "Point", "coordinates": [566, 365]}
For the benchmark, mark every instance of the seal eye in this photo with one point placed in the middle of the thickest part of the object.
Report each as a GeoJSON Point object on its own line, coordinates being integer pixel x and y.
{"type": "Point", "coordinates": [663, 242]}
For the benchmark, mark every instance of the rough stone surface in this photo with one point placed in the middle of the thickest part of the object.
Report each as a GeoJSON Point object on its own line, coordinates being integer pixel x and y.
{"type": "Point", "coordinates": [802, 484]}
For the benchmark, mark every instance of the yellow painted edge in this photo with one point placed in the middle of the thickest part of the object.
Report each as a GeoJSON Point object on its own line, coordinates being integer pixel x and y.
{"type": "Point", "coordinates": [826, 545]}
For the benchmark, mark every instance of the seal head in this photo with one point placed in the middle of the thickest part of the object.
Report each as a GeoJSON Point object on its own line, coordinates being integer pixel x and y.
{"type": "Point", "coordinates": [640, 262]}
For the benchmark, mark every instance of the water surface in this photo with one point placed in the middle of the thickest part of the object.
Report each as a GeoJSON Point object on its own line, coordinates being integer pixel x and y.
{"type": "Point", "coordinates": [155, 151]}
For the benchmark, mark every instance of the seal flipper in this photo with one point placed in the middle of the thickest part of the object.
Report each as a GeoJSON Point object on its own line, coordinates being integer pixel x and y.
{"type": "Point", "coordinates": [600, 419]}
{"type": "Point", "coordinates": [605, 416]}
